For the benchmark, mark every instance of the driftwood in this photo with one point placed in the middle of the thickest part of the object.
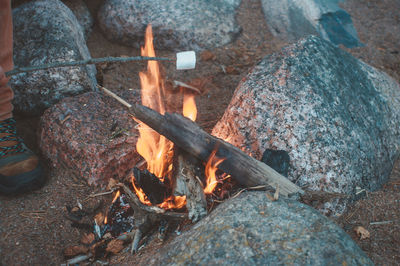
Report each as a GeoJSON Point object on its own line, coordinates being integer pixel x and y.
{"type": "Point", "coordinates": [188, 136]}
{"type": "Point", "coordinates": [188, 182]}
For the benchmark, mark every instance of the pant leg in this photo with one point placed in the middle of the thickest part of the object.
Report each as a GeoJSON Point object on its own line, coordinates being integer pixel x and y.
{"type": "Point", "coordinates": [6, 60]}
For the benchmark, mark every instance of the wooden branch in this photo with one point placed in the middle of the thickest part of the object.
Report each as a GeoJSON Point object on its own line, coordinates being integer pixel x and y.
{"type": "Point", "coordinates": [188, 183]}
{"type": "Point", "coordinates": [89, 61]}
{"type": "Point", "coordinates": [191, 138]}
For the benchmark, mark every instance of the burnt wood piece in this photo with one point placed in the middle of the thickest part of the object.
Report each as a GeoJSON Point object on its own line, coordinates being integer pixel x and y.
{"type": "Point", "coordinates": [155, 190]}
{"type": "Point", "coordinates": [278, 160]}
{"type": "Point", "coordinates": [188, 174]}
{"type": "Point", "coordinates": [147, 216]}
{"type": "Point", "coordinates": [191, 138]}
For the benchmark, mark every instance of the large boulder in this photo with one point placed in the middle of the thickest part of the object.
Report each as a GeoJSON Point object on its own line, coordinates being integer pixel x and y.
{"type": "Point", "coordinates": [292, 20]}
{"type": "Point", "coordinates": [337, 117]}
{"type": "Point", "coordinates": [252, 230]}
{"type": "Point", "coordinates": [92, 135]}
{"type": "Point", "coordinates": [82, 13]}
{"type": "Point", "coordinates": [44, 32]}
{"type": "Point", "coordinates": [177, 24]}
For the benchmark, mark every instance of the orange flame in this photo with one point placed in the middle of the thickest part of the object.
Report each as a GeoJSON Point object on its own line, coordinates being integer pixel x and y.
{"type": "Point", "coordinates": [211, 169]}
{"type": "Point", "coordinates": [189, 106]}
{"type": "Point", "coordinates": [139, 192]}
{"type": "Point", "coordinates": [116, 196]}
{"type": "Point", "coordinates": [154, 148]}
{"type": "Point", "coordinates": [174, 202]}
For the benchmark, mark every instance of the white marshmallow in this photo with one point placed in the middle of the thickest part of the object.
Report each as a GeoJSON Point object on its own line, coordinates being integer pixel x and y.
{"type": "Point", "coordinates": [185, 60]}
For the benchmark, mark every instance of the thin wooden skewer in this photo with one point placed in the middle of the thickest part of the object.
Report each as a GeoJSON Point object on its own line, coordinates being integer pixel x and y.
{"type": "Point", "coordinates": [90, 61]}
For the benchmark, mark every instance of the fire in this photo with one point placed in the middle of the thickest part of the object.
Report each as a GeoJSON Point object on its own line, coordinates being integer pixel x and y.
{"type": "Point", "coordinates": [174, 202]}
{"type": "Point", "coordinates": [116, 196]}
{"type": "Point", "coordinates": [154, 148]}
{"type": "Point", "coordinates": [189, 106]}
{"type": "Point", "coordinates": [139, 192]}
{"type": "Point", "coordinates": [211, 169]}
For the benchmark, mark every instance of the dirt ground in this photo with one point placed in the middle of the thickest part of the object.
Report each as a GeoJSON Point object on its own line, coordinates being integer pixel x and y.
{"type": "Point", "coordinates": [33, 227]}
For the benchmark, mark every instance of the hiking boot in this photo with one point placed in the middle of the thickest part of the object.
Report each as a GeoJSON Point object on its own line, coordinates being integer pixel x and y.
{"type": "Point", "coordinates": [20, 170]}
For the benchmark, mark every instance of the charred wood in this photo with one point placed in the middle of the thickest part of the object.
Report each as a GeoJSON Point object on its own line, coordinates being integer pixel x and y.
{"type": "Point", "coordinates": [155, 190]}
{"type": "Point", "coordinates": [146, 217]}
{"type": "Point", "coordinates": [188, 176]}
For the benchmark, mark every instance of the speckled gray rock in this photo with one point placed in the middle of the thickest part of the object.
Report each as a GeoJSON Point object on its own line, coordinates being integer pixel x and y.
{"type": "Point", "coordinates": [92, 135]}
{"type": "Point", "coordinates": [292, 20]}
{"type": "Point", "coordinates": [82, 13]}
{"type": "Point", "coordinates": [47, 31]}
{"type": "Point", "coordinates": [336, 116]}
{"type": "Point", "coordinates": [252, 230]}
{"type": "Point", "coordinates": [177, 24]}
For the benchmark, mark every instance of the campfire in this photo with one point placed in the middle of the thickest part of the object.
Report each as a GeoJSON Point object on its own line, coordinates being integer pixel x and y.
{"type": "Point", "coordinates": [165, 182]}
{"type": "Point", "coordinates": [185, 171]}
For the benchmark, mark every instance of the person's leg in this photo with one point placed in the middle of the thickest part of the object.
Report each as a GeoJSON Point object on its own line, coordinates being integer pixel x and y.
{"type": "Point", "coordinates": [19, 167]}
{"type": "Point", "coordinates": [6, 60]}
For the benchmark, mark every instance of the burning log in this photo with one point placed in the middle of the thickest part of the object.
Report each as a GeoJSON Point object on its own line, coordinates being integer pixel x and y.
{"type": "Point", "coordinates": [155, 190]}
{"type": "Point", "coordinates": [188, 183]}
{"type": "Point", "coordinates": [188, 136]}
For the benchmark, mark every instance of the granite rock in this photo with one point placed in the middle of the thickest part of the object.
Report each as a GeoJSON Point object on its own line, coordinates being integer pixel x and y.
{"type": "Point", "coordinates": [177, 24]}
{"type": "Point", "coordinates": [92, 135]}
{"type": "Point", "coordinates": [82, 13]}
{"type": "Point", "coordinates": [337, 117]}
{"type": "Point", "coordinates": [292, 20]}
{"type": "Point", "coordinates": [252, 230]}
{"type": "Point", "coordinates": [47, 31]}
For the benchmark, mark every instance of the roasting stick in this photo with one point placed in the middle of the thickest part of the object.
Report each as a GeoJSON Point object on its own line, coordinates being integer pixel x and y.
{"type": "Point", "coordinates": [184, 60]}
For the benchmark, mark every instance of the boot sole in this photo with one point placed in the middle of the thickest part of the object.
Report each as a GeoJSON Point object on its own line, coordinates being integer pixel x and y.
{"type": "Point", "coordinates": [23, 183]}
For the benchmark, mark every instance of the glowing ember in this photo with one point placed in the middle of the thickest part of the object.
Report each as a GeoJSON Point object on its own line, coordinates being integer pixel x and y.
{"type": "Point", "coordinates": [189, 107]}
{"type": "Point", "coordinates": [211, 169]}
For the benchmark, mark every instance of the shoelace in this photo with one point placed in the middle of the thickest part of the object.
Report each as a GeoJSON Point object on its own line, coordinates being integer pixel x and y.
{"type": "Point", "coordinates": [8, 126]}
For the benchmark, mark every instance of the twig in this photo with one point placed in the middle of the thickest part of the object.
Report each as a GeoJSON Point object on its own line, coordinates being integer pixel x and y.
{"type": "Point", "coordinates": [116, 97]}
{"type": "Point", "coordinates": [99, 194]}
{"type": "Point", "coordinates": [383, 222]}
{"type": "Point", "coordinates": [90, 61]}
{"type": "Point", "coordinates": [79, 259]}
{"type": "Point", "coordinates": [136, 240]}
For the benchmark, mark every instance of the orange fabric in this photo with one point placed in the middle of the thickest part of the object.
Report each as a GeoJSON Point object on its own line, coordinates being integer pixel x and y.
{"type": "Point", "coordinates": [6, 60]}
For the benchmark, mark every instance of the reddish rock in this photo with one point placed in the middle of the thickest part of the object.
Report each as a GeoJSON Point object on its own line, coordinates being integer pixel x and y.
{"type": "Point", "coordinates": [81, 133]}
